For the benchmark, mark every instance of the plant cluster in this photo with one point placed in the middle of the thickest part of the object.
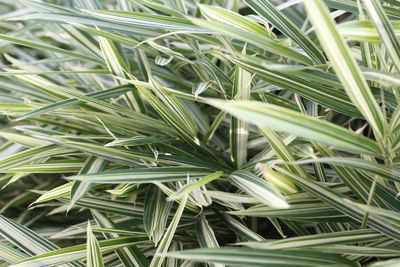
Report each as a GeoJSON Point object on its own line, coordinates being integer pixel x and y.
{"type": "Point", "coordinates": [199, 133]}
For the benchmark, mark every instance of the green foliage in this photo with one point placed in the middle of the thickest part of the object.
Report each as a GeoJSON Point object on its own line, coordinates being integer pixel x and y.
{"type": "Point", "coordinates": [199, 133]}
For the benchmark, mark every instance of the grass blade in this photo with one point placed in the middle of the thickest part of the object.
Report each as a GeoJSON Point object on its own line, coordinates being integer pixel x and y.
{"type": "Point", "coordinates": [345, 65]}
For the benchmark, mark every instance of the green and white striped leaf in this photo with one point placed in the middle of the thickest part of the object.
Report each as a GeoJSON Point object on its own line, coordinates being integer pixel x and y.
{"type": "Point", "coordinates": [74, 253]}
{"type": "Point", "coordinates": [259, 188]}
{"type": "Point", "coordinates": [270, 13]}
{"type": "Point", "coordinates": [318, 240]}
{"type": "Point", "coordinates": [80, 188]}
{"type": "Point", "coordinates": [243, 35]}
{"type": "Point", "coordinates": [239, 129]}
{"type": "Point", "coordinates": [165, 242]}
{"type": "Point", "coordinates": [369, 166]}
{"type": "Point", "coordinates": [282, 119]}
{"type": "Point", "coordinates": [258, 257]}
{"type": "Point", "coordinates": [190, 187]}
{"type": "Point", "coordinates": [156, 211]}
{"type": "Point", "coordinates": [45, 47]}
{"type": "Point", "coordinates": [364, 30]}
{"type": "Point", "coordinates": [93, 253]}
{"type": "Point", "coordinates": [143, 175]}
{"type": "Point", "coordinates": [130, 255]}
{"type": "Point", "coordinates": [385, 30]}
{"type": "Point", "coordinates": [344, 65]}
{"type": "Point", "coordinates": [206, 236]}
{"type": "Point", "coordinates": [10, 254]}
{"type": "Point", "coordinates": [26, 240]}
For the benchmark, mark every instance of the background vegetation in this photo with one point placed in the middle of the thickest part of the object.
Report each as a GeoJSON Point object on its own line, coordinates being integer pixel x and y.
{"type": "Point", "coordinates": [193, 133]}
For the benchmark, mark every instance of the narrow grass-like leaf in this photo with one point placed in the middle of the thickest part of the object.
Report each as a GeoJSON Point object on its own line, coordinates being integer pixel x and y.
{"type": "Point", "coordinates": [80, 188]}
{"type": "Point", "coordinates": [259, 257]}
{"type": "Point", "coordinates": [187, 189]}
{"type": "Point", "coordinates": [334, 99]}
{"type": "Point", "coordinates": [138, 141]}
{"type": "Point", "coordinates": [25, 239]}
{"type": "Point", "coordinates": [387, 263]}
{"type": "Point", "coordinates": [289, 121]}
{"type": "Point", "coordinates": [384, 225]}
{"type": "Point", "coordinates": [385, 30]}
{"type": "Point", "coordinates": [259, 189]}
{"type": "Point", "coordinates": [239, 129]}
{"type": "Point", "coordinates": [93, 253]}
{"type": "Point", "coordinates": [369, 166]}
{"type": "Point", "coordinates": [274, 16]}
{"type": "Point", "coordinates": [146, 175]}
{"type": "Point", "coordinates": [280, 149]}
{"type": "Point", "coordinates": [156, 211]}
{"type": "Point", "coordinates": [74, 253]}
{"type": "Point", "coordinates": [108, 206]}
{"type": "Point", "coordinates": [228, 17]}
{"type": "Point", "coordinates": [206, 236]}
{"type": "Point", "coordinates": [165, 242]}
{"type": "Point", "coordinates": [172, 111]}
{"type": "Point", "coordinates": [151, 21]}
{"type": "Point", "coordinates": [318, 240]}
{"type": "Point", "coordinates": [55, 193]}
{"type": "Point", "coordinates": [345, 65]}
{"type": "Point", "coordinates": [279, 181]}
{"type": "Point", "coordinates": [302, 212]}
{"type": "Point", "coordinates": [98, 95]}
{"type": "Point", "coordinates": [131, 256]}
{"type": "Point", "coordinates": [10, 254]}
{"type": "Point", "coordinates": [118, 67]}
{"type": "Point", "coordinates": [48, 48]}
{"type": "Point", "coordinates": [243, 35]}
{"type": "Point", "coordinates": [363, 30]}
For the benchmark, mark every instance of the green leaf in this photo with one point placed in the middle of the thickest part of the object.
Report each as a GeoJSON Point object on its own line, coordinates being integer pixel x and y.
{"type": "Point", "coordinates": [73, 253]}
{"type": "Point", "coordinates": [345, 65]}
{"type": "Point", "coordinates": [80, 188]}
{"type": "Point", "coordinates": [325, 96]}
{"type": "Point", "coordinates": [206, 236]}
{"type": "Point", "coordinates": [239, 129]}
{"type": "Point", "coordinates": [151, 21]}
{"type": "Point", "coordinates": [165, 242]}
{"type": "Point", "coordinates": [138, 141]}
{"type": "Point", "coordinates": [55, 193]}
{"type": "Point", "coordinates": [10, 254]}
{"type": "Point", "coordinates": [25, 239]}
{"type": "Point", "coordinates": [259, 188]}
{"type": "Point", "coordinates": [130, 255]}
{"type": "Point", "coordinates": [172, 111]}
{"type": "Point", "coordinates": [270, 13]}
{"type": "Point", "coordinates": [190, 187]}
{"type": "Point", "coordinates": [261, 41]}
{"type": "Point", "coordinates": [156, 211]}
{"type": "Point", "coordinates": [384, 224]}
{"type": "Point", "coordinates": [215, 13]}
{"type": "Point", "coordinates": [98, 95]}
{"type": "Point", "coordinates": [318, 240]}
{"type": "Point", "coordinates": [385, 30]}
{"type": "Point", "coordinates": [386, 263]}
{"type": "Point", "coordinates": [145, 175]}
{"type": "Point", "coordinates": [48, 48]}
{"type": "Point", "coordinates": [93, 253]}
{"type": "Point", "coordinates": [363, 30]}
{"type": "Point", "coordinates": [108, 206]}
{"type": "Point", "coordinates": [365, 165]}
{"type": "Point", "coordinates": [258, 257]}
{"type": "Point", "coordinates": [297, 211]}
{"type": "Point", "coordinates": [117, 66]}
{"type": "Point", "coordinates": [282, 119]}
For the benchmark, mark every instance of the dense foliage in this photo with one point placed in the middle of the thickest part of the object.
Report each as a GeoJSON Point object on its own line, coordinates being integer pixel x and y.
{"type": "Point", "coordinates": [193, 133]}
